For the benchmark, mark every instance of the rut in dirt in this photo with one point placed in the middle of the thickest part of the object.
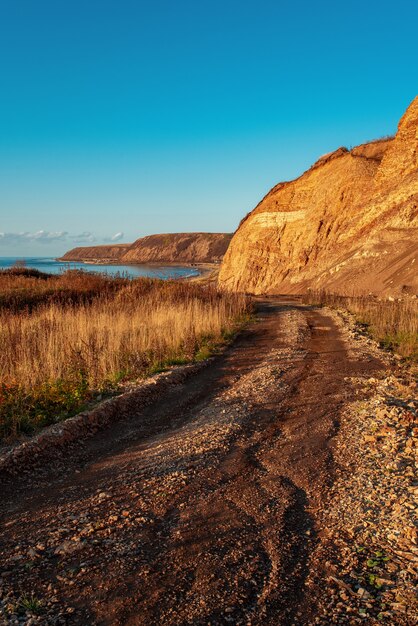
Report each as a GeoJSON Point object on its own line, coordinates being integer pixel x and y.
{"type": "Point", "coordinates": [201, 509]}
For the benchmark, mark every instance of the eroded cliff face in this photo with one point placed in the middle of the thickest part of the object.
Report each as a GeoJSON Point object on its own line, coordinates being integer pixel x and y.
{"type": "Point", "coordinates": [179, 248]}
{"type": "Point", "coordinates": [169, 248]}
{"type": "Point", "coordinates": [348, 224]}
{"type": "Point", "coordinates": [96, 253]}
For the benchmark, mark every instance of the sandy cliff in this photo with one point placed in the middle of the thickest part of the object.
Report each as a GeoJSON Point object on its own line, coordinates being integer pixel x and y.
{"type": "Point", "coordinates": [349, 224]}
{"type": "Point", "coordinates": [96, 253]}
{"type": "Point", "coordinates": [168, 248]}
{"type": "Point", "coordinates": [179, 248]}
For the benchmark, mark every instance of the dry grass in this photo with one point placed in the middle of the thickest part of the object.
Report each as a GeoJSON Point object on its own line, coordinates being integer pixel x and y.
{"type": "Point", "coordinates": [22, 288]}
{"type": "Point", "coordinates": [58, 356]}
{"type": "Point", "coordinates": [394, 323]}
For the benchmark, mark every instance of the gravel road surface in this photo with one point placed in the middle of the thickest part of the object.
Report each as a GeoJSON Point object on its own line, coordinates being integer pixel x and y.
{"type": "Point", "coordinates": [202, 508]}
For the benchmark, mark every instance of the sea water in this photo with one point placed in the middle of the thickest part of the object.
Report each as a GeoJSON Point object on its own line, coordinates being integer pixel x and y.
{"type": "Point", "coordinates": [52, 266]}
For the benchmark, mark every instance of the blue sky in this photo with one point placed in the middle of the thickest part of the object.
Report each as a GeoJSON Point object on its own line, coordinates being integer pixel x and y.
{"type": "Point", "coordinates": [132, 117]}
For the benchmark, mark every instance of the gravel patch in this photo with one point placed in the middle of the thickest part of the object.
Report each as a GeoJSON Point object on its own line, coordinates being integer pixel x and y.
{"type": "Point", "coordinates": [369, 526]}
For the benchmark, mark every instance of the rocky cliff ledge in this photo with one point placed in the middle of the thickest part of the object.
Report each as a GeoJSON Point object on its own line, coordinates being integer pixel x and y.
{"type": "Point", "coordinates": [96, 253]}
{"type": "Point", "coordinates": [168, 248]}
{"type": "Point", "coordinates": [179, 248]}
{"type": "Point", "coordinates": [349, 224]}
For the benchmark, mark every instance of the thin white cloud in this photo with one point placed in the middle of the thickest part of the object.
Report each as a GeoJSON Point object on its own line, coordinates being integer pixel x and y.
{"type": "Point", "coordinates": [86, 237]}
{"type": "Point", "coordinates": [41, 236]}
{"type": "Point", "coordinates": [46, 236]}
{"type": "Point", "coordinates": [116, 237]}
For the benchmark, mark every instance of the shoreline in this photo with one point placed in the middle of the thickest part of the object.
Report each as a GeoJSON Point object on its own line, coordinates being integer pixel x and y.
{"type": "Point", "coordinates": [206, 270]}
{"type": "Point", "coordinates": [152, 263]}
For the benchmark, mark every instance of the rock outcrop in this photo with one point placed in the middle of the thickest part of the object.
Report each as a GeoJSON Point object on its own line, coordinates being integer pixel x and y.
{"type": "Point", "coordinates": [109, 253]}
{"type": "Point", "coordinates": [168, 248]}
{"type": "Point", "coordinates": [349, 224]}
{"type": "Point", "coordinates": [179, 248]}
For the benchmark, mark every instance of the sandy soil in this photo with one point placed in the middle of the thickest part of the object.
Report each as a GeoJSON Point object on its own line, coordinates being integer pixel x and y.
{"type": "Point", "coordinates": [202, 508]}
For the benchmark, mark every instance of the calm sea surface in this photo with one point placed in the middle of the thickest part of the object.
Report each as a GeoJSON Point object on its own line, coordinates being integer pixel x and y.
{"type": "Point", "coordinates": [51, 266]}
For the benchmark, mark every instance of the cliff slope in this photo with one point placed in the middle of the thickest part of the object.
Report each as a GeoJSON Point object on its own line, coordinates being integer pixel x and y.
{"type": "Point", "coordinates": [179, 248]}
{"type": "Point", "coordinates": [96, 253]}
{"type": "Point", "coordinates": [169, 248]}
{"type": "Point", "coordinates": [349, 224]}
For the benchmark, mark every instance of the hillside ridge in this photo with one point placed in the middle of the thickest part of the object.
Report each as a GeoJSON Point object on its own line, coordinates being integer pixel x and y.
{"type": "Point", "coordinates": [196, 247]}
{"type": "Point", "coordinates": [347, 224]}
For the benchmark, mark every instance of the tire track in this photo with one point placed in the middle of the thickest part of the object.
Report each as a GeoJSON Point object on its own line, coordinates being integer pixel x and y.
{"type": "Point", "coordinates": [201, 510]}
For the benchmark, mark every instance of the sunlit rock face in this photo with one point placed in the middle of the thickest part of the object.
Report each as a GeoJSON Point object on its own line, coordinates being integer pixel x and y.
{"type": "Point", "coordinates": [99, 253]}
{"type": "Point", "coordinates": [349, 224]}
{"type": "Point", "coordinates": [168, 248]}
{"type": "Point", "coordinates": [179, 248]}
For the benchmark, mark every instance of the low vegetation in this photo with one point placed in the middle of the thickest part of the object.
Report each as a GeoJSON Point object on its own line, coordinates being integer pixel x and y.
{"type": "Point", "coordinates": [24, 288]}
{"type": "Point", "coordinates": [68, 339]}
{"type": "Point", "coordinates": [392, 322]}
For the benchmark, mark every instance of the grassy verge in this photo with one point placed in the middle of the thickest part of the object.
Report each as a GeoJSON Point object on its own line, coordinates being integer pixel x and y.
{"type": "Point", "coordinates": [64, 353]}
{"type": "Point", "coordinates": [393, 323]}
{"type": "Point", "coordinates": [23, 288]}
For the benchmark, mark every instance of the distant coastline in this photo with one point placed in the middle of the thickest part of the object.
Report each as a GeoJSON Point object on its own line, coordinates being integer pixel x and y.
{"type": "Point", "coordinates": [205, 270]}
{"type": "Point", "coordinates": [174, 249]}
{"type": "Point", "coordinates": [212, 265]}
{"type": "Point", "coordinates": [164, 271]}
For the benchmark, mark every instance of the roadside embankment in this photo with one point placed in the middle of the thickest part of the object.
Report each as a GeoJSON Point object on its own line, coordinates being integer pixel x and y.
{"type": "Point", "coordinates": [57, 440]}
{"type": "Point", "coordinates": [392, 322]}
{"type": "Point", "coordinates": [369, 524]}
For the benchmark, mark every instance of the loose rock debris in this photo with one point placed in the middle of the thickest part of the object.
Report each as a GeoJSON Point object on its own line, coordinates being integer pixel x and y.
{"type": "Point", "coordinates": [369, 526]}
{"type": "Point", "coordinates": [275, 487]}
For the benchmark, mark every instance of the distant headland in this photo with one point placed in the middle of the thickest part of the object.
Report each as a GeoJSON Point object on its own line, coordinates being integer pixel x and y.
{"type": "Point", "coordinates": [161, 248]}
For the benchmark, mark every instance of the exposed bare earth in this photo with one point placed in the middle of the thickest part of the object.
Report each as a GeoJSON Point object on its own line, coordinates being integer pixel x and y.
{"type": "Point", "coordinates": [111, 253]}
{"type": "Point", "coordinates": [161, 248]}
{"type": "Point", "coordinates": [179, 248]}
{"type": "Point", "coordinates": [213, 505]}
{"type": "Point", "coordinates": [349, 224]}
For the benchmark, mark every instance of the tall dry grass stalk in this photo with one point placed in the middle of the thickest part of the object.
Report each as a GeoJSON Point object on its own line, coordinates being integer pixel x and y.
{"type": "Point", "coordinates": [393, 322]}
{"type": "Point", "coordinates": [27, 288]}
{"type": "Point", "coordinates": [55, 357]}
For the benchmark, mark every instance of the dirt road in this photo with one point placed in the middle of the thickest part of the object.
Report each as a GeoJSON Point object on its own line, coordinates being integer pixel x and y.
{"type": "Point", "coordinates": [202, 509]}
